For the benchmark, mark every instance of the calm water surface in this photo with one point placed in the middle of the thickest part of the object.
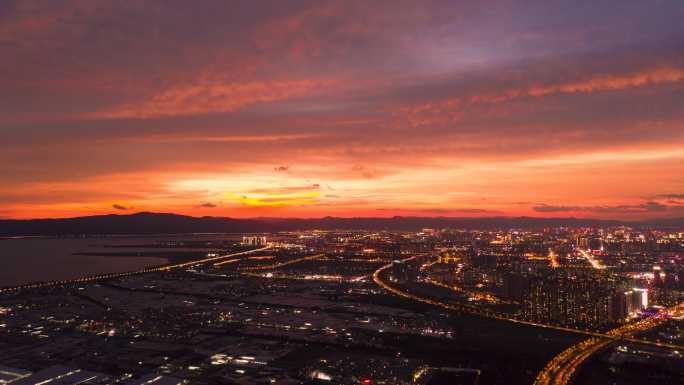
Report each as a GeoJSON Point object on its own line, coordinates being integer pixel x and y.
{"type": "Point", "coordinates": [45, 259]}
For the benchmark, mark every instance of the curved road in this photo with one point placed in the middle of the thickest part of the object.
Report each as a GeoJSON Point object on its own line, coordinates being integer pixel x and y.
{"type": "Point", "coordinates": [561, 369]}
{"type": "Point", "coordinates": [471, 309]}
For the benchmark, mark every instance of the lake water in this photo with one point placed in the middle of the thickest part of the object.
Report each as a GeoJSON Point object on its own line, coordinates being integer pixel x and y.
{"type": "Point", "coordinates": [46, 259]}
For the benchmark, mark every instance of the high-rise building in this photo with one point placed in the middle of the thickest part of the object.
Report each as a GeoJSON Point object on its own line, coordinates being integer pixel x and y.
{"type": "Point", "coordinates": [637, 300]}
{"type": "Point", "coordinates": [515, 286]}
{"type": "Point", "coordinates": [657, 276]}
{"type": "Point", "coordinates": [618, 310]}
{"type": "Point", "coordinates": [254, 241]}
{"type": "Point", "coordinates": [572, 299]}
{"type": "Point", "coordinates": [582, 242]}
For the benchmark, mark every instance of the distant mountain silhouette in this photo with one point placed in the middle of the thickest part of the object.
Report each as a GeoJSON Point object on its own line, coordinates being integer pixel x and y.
{"type": "Point", "coordinates": [162, 223]}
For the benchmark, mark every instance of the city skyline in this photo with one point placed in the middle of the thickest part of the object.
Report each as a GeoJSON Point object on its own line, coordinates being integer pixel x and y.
{"type": "Point", "coordinates": [551, 306]}
{"type": "Point", "coordinates": [307, 109]}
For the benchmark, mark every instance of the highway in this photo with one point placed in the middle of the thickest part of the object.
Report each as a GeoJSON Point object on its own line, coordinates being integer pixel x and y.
{"type": "Point", "coordinates": [560, 370]}
{"type": "Point", "coordinates": [480, 296]}
{"type": "Point", "coordinates": [553, 259]}
{"type": "Point", "coordinates": [283, 264]}
{"type": "Point", "coordinates": [100, 277]}
{"type": "Point", "coordinates": [595, 263]}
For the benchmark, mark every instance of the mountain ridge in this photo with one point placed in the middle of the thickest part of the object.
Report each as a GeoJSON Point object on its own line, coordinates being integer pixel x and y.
{"type": "Point", "coordinates": [169, 223]}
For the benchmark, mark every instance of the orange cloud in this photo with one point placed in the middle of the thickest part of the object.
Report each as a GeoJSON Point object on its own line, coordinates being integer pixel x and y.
{"type": "Point", "coordinates": [38, 18]}
{"type": "Point", "coordinates": [209, 96]}
{"type": "Point", "coordinates": [612, 82]}
{"type": "Point", "coordinates": [449, 110]}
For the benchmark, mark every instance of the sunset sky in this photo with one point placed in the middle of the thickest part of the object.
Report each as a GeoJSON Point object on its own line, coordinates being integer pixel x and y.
{"type": "Point", "coordinates": [343, 108]}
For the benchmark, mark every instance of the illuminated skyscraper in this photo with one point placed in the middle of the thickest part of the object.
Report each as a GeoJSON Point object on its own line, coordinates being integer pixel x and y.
{"type": "Point", "coordinates": [254, 241]}
{"type": "Point", "coordinates": [637, 300]}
